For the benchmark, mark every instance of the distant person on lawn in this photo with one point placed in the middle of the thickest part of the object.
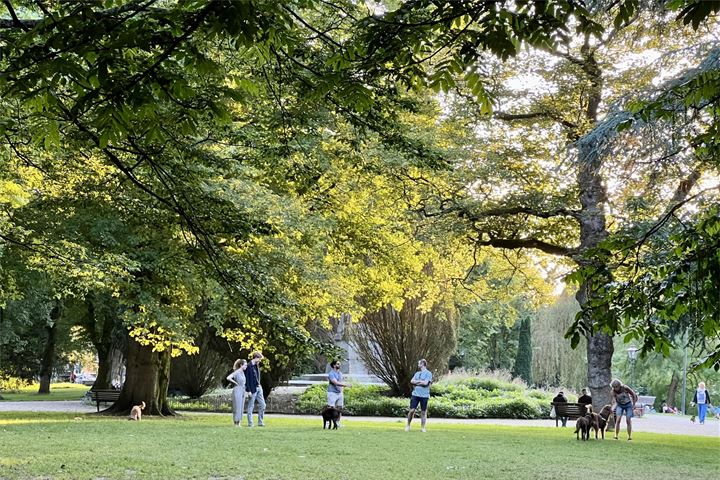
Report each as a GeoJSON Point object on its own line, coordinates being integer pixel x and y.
{"type": "Point", "coordinates": [335, 396]}
{"type": "Point", "coordinates": [624, 399]}
{"type": "Point", "coordinates": [702, 400]}
{"type": "Point", "coordinates": [252, 385]}
{"type": "Point", "coordinates": [237, 378]}
{"type": "Point", "coordinates": [561, 398]}
{"type": "Point", "coordinates": [420, 394]}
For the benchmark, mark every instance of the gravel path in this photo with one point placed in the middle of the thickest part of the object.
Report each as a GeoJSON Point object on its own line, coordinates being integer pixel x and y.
{"type": "Point", "coordinates": [656, 423]}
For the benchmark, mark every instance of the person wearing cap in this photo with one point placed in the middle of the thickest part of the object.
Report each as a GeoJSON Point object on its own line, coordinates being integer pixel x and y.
{"type": "Point", "coordinates": [624, 399]}
{"type": "Point", "coordinates": [561, 398]}
{"type": "Point", "coordinates": [253, 387]}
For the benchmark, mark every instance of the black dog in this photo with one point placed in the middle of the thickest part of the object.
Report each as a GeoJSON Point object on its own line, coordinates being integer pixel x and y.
{"type": "Point", "coordinates": [330, 414]}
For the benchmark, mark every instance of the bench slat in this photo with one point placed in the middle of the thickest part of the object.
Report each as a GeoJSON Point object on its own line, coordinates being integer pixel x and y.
{"type": "Point", "coordinates": [570, 410]}
{"type": "Point", "coordinates": [104, 396]}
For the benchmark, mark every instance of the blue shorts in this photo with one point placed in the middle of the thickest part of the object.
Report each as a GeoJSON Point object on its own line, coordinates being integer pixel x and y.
{"type": "Point", "coordinates": [414, 401]}
{"type": "Point", "coordinates": [627, 408]}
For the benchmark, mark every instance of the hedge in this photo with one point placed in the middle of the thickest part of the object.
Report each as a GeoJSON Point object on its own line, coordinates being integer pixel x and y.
{"type": "Point", "coordinates": [470, 398]}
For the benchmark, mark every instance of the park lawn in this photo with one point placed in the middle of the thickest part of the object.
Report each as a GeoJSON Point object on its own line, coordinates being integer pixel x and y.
{"type": "Point", "coordinates": [65, 446]}
{"type": "Point", "coordinates": [58, 392]}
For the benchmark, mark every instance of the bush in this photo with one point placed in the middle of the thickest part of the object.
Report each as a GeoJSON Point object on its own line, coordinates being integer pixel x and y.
{"type": "Point", "coordinates": [491, 384]}
{"type": "Point", "coordinates": [10, 384]}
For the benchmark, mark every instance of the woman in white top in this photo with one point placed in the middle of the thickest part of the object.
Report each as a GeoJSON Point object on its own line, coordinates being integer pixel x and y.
{"type": "Point", "coordinates": [237, 378]}
{"type": "Point", "coordinates": [702, 400]}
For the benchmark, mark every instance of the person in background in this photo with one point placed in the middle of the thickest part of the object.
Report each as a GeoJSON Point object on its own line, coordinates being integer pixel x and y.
{"type": "Point", "coordinates": [335, 397]}
{"type": "Point", "coordinates": [624, 399]}
{"type": "Point", "coordinates": [561, 398]}
{"type": "Point", "coordinates": [420, 394]}
{"type": "Point", "coordinates": [584, 398]}
{"type": "Point", "coordinates": [702, 400]}
{"type": "Point", "coordinates": [237, 378]}
{"type": "Point", "coordinates": [252, 386]}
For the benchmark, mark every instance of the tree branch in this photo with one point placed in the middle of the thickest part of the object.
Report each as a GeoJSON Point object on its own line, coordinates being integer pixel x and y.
{"type": "Point", "coordinates": [533, 115]}
{"type": "Point", "coordinates": [517, 243]}
{"type": "Point", "coordinates": [16, 22]}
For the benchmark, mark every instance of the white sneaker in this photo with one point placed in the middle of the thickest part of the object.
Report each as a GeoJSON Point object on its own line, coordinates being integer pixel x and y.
{"type": "Point", "coordinates": [407, 428]}
{"type": "Point", "coordinates": [423, 430]}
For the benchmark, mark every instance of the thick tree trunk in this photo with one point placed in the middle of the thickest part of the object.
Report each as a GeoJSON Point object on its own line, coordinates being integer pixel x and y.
{"type": "Point", "coordinates": [101, 337]}
{"type": "Point", "coordinates": [48, 359]}
{"type": "Point", "coordinates": [672, 389]}
{"type": "Point", "coordinates": [592, 232]}
{"type": "Point", "coordinates": [147, 379]}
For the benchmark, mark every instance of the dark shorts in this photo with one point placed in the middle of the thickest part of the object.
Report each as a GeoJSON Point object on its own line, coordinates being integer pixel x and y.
{"type": "Point", "coordinates": [414, 401]}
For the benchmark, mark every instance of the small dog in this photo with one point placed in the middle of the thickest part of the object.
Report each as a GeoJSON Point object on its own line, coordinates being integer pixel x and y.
{"type": "Point", "coordinates": [136, 412]}
{"type": "Point", "coordinates": [692, 419]}
{"type": "Point", "coordinates": [330, 415]}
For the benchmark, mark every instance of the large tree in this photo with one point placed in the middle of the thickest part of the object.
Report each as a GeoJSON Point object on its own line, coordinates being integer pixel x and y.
{"type": "Point", "coordinates": [161, 98]}
{"type": "Point", "coordinates": [536, 172]}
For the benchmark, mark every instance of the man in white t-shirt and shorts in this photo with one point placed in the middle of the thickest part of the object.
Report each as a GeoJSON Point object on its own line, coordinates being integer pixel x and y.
{"type": "Point", "coordinates": [335, 387]}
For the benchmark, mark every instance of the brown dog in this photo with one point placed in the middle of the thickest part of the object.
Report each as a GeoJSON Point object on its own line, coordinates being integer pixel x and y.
{"type": "Point", "coordinates": [601, 420]}
{"type": "Point", "coordinates": [330, 415]}
{"type": "Point", "coordinates": [582, 427]}
{"type": "Point", "coordinates": [136, 412]}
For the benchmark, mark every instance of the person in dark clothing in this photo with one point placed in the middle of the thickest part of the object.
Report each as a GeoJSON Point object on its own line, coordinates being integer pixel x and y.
{"type": "Point", "coordinates": [561, 398]}
{"type": "Point", "coordinates": [253, 387]}
{"type": "Point", "coordinates": [584, 398]}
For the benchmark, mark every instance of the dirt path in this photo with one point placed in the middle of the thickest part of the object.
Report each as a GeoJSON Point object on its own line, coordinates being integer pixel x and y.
{"type": "Point", "coordinates": [656, 423]}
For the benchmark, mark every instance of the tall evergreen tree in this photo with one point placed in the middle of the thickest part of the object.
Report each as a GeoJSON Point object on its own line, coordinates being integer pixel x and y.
{"type": "Point", "coordinates": [523, 360]}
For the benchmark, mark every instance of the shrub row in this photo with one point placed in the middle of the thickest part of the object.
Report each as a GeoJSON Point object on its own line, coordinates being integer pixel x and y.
{"type": "Point", "coordinates": [471, 398]}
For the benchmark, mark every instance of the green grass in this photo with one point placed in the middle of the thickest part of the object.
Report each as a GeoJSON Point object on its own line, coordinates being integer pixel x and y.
{"type": "Point", "coordinates": [58, 392]}
{"type": "Point", "coordinates": [63, 446]}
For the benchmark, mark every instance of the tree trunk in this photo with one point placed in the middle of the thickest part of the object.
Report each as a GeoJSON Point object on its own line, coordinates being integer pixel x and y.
{"type": "Point", "coordinates": [672, 389]}
{"type": "Point", "coordinates": [48, 359]}
{"type": "Point", "coordinates": [148, 374]}
{"type": "Point", "coordinates": [101, 337]}
{"type": "Point", "coordinates": [592, 232]}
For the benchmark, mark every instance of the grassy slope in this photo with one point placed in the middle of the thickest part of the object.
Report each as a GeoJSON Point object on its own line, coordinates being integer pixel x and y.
{"type": "Point", "coordinates": [58, 392]}
{"type": "Point", "coordinates": [208, 446]}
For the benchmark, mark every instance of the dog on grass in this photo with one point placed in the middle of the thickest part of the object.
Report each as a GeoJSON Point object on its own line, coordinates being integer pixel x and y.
{"type": "Point", "coordinates": [330, 415]}
{"type": "Point", "coordinates": [582, 428]}
{"type": "Point", "coordinates": [585, 423]}
{"type": "Point", "coordinates": [136, 412]}
{"type": "Point", "coordinates": [601, 420]}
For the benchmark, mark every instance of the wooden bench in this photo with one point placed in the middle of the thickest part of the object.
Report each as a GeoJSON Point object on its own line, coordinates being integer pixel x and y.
{"type": "Point", "coordinates": [570, 410]}
{"type": "Point", "coordinates": [104, 396]}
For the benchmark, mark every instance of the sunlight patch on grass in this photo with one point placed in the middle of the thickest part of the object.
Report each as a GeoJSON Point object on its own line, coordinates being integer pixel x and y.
{"type": "Point", "coordinates": [58, 392]}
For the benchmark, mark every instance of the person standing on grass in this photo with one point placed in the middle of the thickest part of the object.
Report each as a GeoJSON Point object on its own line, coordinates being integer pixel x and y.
{"type": "Point", "coordinates": [335, 396]}
{"type": "Point", "coordinates": [252, 386]}
{"type": "Point", "coordinates": [624, 399]}
{"type": "Point", "coordinates": [702, 400]}
{"type": "Point", "coordinates": [420, 394]}
{"type": "Point", "coordinates": [237, 378]}
{"type": "Point", "coordinates": [561, 398]}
